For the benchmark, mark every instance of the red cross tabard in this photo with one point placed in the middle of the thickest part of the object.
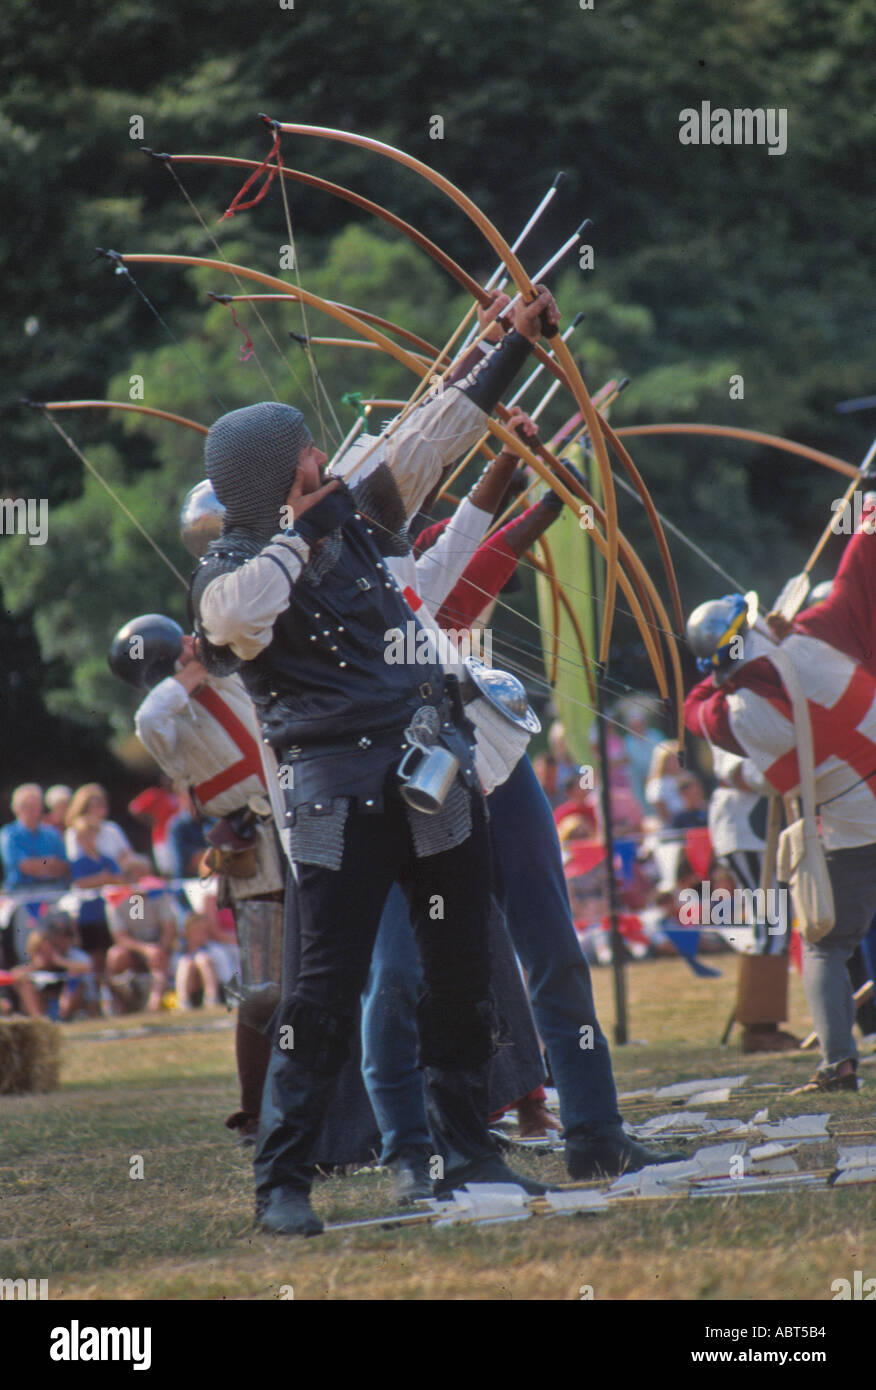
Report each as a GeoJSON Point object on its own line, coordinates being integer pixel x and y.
{"type": "Point", "coordinates": [835, 733]}
{"type": "Point", "coordinates": [249, 765]}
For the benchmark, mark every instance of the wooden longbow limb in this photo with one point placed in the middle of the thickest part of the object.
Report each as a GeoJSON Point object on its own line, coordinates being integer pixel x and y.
{"type": "Point", "coordinates": [245, 272]}
{"type": "Point", "coordinates": [553, 471]}
{"type": "Point", "coordinates": [533, 559]}
{"type": "Point", "coordinates": [638, 482]}
{"type": "Point", "coordinates": [412, 339]}
{"type": "Point", "coordinates": [640, 593]}
{"type": "Point", "coordinates": [623, 457]}
{"type": "Point", "coordinates": [773, 441]}
{"type": "Point", "coordinates": [123, 405]}
{"type": "Point", "coordinates": [564, 359]}
{"type": "Point", "coordinates": [551, 571]}
{"type": "Point", "coordinates": [365, 347]}
{"type": "Point", "coordinates": [635, 594]}
{"type": "Point", "coordinates": [659, 619]}
{"type": "Point", "coordinates": [466, 281]}
{"type": "Point", "coordinates": [562, 481]}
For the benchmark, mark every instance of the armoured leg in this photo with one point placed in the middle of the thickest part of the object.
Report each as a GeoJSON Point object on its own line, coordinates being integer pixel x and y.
{"type": "Point", "coordinates": [259, 924]}
{"type": "Point", "coordinates": [253, 1054]}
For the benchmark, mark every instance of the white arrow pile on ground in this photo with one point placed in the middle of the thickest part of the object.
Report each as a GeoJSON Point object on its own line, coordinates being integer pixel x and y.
{"type": "Point", "coordinates": [713, 1163]}
{"type": "Point", "coordinates": [487, 1203]}
{"type": "Point", "coordinates": [856, 1164]}
{"type": "Point", "coordinates": [680, 1123]}
{"type": "Point", "coordinates": [681, 1089]}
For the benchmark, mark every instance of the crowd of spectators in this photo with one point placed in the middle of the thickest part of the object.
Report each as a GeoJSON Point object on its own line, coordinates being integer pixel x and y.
{"type": "Point", "coordinates": [669, 823]}
{"type": "Point", "coordinates": [88, 925]}
{"type": "Point", "coordinates": [662, 845]}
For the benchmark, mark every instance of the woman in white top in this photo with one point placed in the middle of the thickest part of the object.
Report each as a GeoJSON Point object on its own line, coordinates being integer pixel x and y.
{"type": "Point", "coordinates": [91, 800]}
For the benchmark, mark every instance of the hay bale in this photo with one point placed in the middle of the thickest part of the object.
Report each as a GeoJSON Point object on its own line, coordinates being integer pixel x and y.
{"type": "Point", "coordinates": [30, 1055]}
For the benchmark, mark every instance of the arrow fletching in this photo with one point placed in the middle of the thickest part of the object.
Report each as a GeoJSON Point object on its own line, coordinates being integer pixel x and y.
{"type": "Point", "coordinates": [793, 596]}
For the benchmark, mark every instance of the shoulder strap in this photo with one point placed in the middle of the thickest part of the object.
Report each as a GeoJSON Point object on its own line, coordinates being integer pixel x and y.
{"type": "Point", "coordinates": [802, 729]}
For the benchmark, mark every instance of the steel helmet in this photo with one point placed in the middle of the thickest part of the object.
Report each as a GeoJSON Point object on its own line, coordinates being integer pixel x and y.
{"type": "Point", "coordinates": [713, 630]}
{"type": "Point", "coordinates": [145, 650]}
{"type": "Point", "coordinates": [200, 518]}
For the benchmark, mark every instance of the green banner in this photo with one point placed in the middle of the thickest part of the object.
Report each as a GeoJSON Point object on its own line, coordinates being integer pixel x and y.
{"type": "Point", "coordinates": [568, 543]}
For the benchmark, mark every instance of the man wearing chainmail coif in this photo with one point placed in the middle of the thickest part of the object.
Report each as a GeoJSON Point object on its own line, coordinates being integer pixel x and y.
{"type": "Point", "coordinates": [305, 609]}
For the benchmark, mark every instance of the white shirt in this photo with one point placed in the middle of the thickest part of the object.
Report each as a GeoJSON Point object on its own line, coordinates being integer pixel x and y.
{"type": "Point", "coordinates": [111, 841]}
{"type": "Point", "coordinates": [730, 809]}
{"type": "Point", "coordinates": [499, 743]}
{"type": "Point", "coordinates": [239, 609]}
{"type": "Point", "coordinates": [191, 746]}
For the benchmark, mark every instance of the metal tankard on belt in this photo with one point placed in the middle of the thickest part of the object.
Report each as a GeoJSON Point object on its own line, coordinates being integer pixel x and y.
{"type": "Point", "coordinates": [428, 770]}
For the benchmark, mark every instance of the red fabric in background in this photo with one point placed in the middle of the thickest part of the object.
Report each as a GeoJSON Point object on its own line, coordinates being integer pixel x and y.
{"type": "Point", "coordinates": [698, 848]}
{"type": "Point", "coordinates": [489, 569]}
{"type": "Point", "coordinates": [160, 805]}
{"type": "Point", "coordinates": [491, 566]}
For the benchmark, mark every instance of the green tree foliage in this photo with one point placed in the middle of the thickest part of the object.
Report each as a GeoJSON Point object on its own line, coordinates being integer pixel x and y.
{"type": "Point", "coordinates": [710, 262]}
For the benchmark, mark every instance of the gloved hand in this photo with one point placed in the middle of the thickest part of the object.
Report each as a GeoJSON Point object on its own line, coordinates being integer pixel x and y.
{"type": "Point", "coordinates": [334, 507]}
{"type": "Point", "coordinates": [551, 503]}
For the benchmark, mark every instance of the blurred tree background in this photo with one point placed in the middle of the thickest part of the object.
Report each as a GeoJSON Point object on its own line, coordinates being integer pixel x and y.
{"type": "Point", "coordinates": [709, 262]}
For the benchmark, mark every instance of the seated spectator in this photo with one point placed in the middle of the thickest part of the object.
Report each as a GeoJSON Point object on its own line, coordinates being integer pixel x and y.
{"type": "Point", "coordinates": [545, 765]}
{"type": "Point", "coordinates": [91, 800]}
{"type": "Point", "coordinates": [661, 789]}
{"type": "Point", "coordinates": [626, 811]}
{"type": "Point", "coordinates": [580, 804]}
{"type": "Point", "coordinates": [559, 751]}
{"type": "Point", "coordinates": [186, 839]}
{"type": "Point", "coordinates": [196, 978]}
{"type": "Point", "coordinates": [33, 853]}
{"type": "Point", "coordinates": [143, 926]}
{"type": "Point", "coordinates": [90, 871]}
{"type": "Point", "coordinates": [58, 980]}
{"type": "Point", "coordinates": [158, 806]}
{"type": "Point", "coordinates": [57, 802]}
{"type": "Point", "coordinates": [695, 809]}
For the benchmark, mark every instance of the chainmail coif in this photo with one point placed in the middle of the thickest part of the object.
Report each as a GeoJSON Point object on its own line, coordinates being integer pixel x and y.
{"type": "Point", "coordinates": [251, 458]}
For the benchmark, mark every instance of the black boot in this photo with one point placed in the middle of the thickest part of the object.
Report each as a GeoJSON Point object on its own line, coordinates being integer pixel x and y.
{"type": "Point", "coordinates": [410, 1172]}
{"type": "Point", "coordinates": [456, 1104]}
{"type": "Point", "coordinates": [610, 1155]}
{"type": "Point", "coordinates": [297, 1091]}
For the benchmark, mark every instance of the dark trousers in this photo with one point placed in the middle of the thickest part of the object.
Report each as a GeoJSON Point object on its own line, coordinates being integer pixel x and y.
{"type": "Point", "coordinates": [339, 913]}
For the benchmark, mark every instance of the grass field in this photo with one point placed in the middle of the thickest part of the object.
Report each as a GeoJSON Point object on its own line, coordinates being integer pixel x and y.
{"type": "Point", "coordinates": [73, 1214]}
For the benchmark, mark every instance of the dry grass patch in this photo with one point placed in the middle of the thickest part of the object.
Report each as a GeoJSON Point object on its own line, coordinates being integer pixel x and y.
{"type": "Point", "coordinates": [73, 1213]}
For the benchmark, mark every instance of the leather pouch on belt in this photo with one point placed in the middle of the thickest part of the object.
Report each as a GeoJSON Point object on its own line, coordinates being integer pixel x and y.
{"type": "Point", "coordinates": [232, 846]}
{"type": "Point", "coordinates": [234, 863]}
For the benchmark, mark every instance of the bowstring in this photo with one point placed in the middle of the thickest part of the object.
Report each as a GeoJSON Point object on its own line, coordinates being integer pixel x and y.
{"type": "Point", "coordinates": [306, 345]}
{"type": "Point", "coordinates": [211, 236]}
{"type": "Point", "coordinates": [114, 495]}
{"type": "Point", "coordinates": [122, 269]}
{"type": "Point", "coordinates": [319, 385]}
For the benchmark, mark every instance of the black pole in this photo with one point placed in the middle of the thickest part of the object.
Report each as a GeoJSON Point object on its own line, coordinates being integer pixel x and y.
{"type": "Point", "coordinates": [621, 1034]}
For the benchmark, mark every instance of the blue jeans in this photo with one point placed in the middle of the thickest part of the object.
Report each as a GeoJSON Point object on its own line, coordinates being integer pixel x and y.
{"type": "Point", "coordinates": [531, 884]}
{"type": "Point", "coordinates": [389, 1034]}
